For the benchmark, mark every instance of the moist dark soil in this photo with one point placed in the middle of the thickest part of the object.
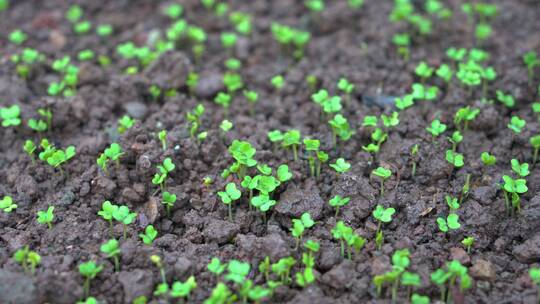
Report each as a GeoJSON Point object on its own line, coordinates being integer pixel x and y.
{"type": "Point", "coordinates": [345, 43]}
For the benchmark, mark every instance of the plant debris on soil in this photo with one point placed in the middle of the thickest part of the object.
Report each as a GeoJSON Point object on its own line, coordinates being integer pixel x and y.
{"type": "Point", "coordinates": [201, 151]}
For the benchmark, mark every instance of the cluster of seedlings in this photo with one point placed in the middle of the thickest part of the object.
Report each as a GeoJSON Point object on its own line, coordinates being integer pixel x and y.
{"type": "Point", "coordinates": [250, 182]}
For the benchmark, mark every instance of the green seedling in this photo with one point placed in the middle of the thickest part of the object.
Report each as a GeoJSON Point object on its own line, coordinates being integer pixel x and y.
{"type": "Point", "coordinates": [452, 203]}
{"type": "Point", "coordinates": [436, 128]}
{"type": "Point", "coordinates": [112, 153]}
{"type": "Point", "coordinates": [488, 159]}
{"type": "Point", "coordinates": [164, 169]}
{"type": "Point", "coordinates": [292, 139]}
{"type": "Point", "coordinates": [41, 125]}
{"type": "Point", "coordinates": [403, 103]}
{"type": "Point", "coordinates": [390, 121]}
{"type": "Point", "coordinates": [516, 124]}
{"type": "Point", "coordinates": [355, 4]}
{"type": "Point", "coordinates": [74, 13]}
{"type": "Point", "coordinates": [455, 140]}
{"type": "Point", "coordinates": [468, 243]}
{"type": "Point", "coordinates": [224, 100]}
{"type": "Point", "coordinates": [112, 249]}
{"type": "Point", "coordinates": [10, 116]}
{"type": "Point", "coordinates": [278, 82]}
{"type": "Point", "coordinates": [534, 274]}
{"type": "Point", "coordinates": [228, 40]}
{"type": "Point", "coordinates": [216, 267]}
{"type": "Point", "coordinates": [400, 262]}
{"type": "Point", "coordinates": [383, 174]}
{"type": "Point", "coordinates": [346, 87]}
{"type": "Point", "coordinates": [306, 277]}
{"type": "Point", "coordinates": [7, 205]}
{"type": "Point", "coordinates": [424, 71]}
{"type": "Point", "coordinates": [92, 300]}
{"type": "Point", "coordinates": [507, 100]}
{"type": "Point", "coordinates": [104, 30]}
{"type": "Point", "coordinates": [465, 189]}
{"type": "Point", "coordinates": [46, 217]}
{"type": "Point", "coordinates": [162, 135]}
{"type": "Point", "coordinates": [228, 196]}
{"type": "Point", "coordinates": [378, 137]}
{"type": "Point", "coordinates": [445, 73]}
{"type": "Point", "coordinates": [382, 215]}
{"type": "Point", "coordinates": [403, 43]}
{"type": "Point", "coordinates": [233, 82]}
{"type": "Point", "coordinates": [451, 222]}
{"type": "Point", "coordinates": [348, 237]}
{"type": "Point", "coordinates": [252, 97]}
{"type": "Point", "coordinates": [322, 158]}
{"type": "Point", "coordinates": [535, 143]}
{"type": "Point", "coordinates": [275, 137]}
{"type": "Point", "coordinates": [173, 11]}
{"type": "Point", "coordinates": [86, 55]}
{"type": "Point", "coordinates": [89, 271]}
{"type": "Point", "coordinates": [312, 147]}
{"type": "Point", "coordinates": [240, 20]}
{"type": "Point", "coordinates": [263, 203]}
{"type": "Point", "coordinates": [422, 92]}
{"type": "Point", "coordinates": [414, 158]}
{"type": "Point", "coordinates": [243, 153]}
{"type": "Point", "coordinates": [456, 55]}
{"type": "Point", "coordinates": [283, 174]}
{"type": "Point", "coordinates": [513, 187]}
{"type": "Point", "coordinates": [446, 280]}
{"type": "Point", "coordinates": [315, 6]}
{"type": "Point", "coordinates": [149, 235]}
{"type": "Point", "coordinates": [82, 27]}
{"type": "Point", "coordinates": [233, 64]}
{"type": "Point", "coordinates": [124, 216]}
{"type": "Point", "coordinates": [28, 259]}
{"type": "Point", "coordinates": [17, 37]}
{"type": "Point", "coordinates": [337, 202]}
{"type": "Point", "coordinates": [168, 199]}
{"type": "Point", "coordinates": [521, 170]}
{"type": "Point", "coordinates": [290, 39]}
{"type": "Point", "coordinates": [106, 212]}
{"type": "Point", "coordinates": [237, 271]}
{"type": "Point", "coordinates": [340, 128]}
{"type": "Point", "coordinates": [419, 299]}
{"type": "Point", "coordinates": [225, 126]}
{"type": "Point", "coordinates": [465, 115]}
{"type": "Point", "coordinates": [125, 123]}
{"type": "Point", "coordinates": [220, 294]}
{"type": "Point", "coordinates": [454, 158]}
{"type": "Point", "coordinates": [282, 269]}
{"type": "Point", "coordinates": [194, 117]}
{"type": "Point", "coordinates": [59, 157]}
{"type": "Point", "coordinates": [532, 61]}
{"type": "Point", "coordinates": [183, 289]}
{"type": "Point", "coordinates": [156, 260]}
{"type": "Point", "coordinates": [299, 226]}
{"type": "Point", "coordinates": [341, 166]}
{"type": "Point", "coordinates": [192, 81]}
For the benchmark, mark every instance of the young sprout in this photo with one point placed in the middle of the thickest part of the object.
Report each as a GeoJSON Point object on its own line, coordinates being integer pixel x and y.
{"type": "Point", "coordinates": [414, 156]}
{"type": "Point", "coordinates": [104, 30]}
{"type": "Point", "coordinates": [454, 158]}
{"type": "Point", "coordinates": [383, 174]}
{"type": "Point", "coordinates": [292, 139]}
{"type": "Point", "coordinates": [516, 124]}
{"type": "Point", "coordinates": [228, 40]}
{"type": "Point", "coordinates": [156, 260]}
{"type": "Point", "coordinates": [455, 140]}
{"type": "Point", "coordinates": [534, 274]}
{"type": "Point", "coordinates": [112, 249]}
{"type": "Point", "coordinates": [455, 271]}
{"type": "Point", "coordinates": [341, 166]}
{"type": "Point", "coordinates": [347, 236]}
{"type": "Point", "coordinates": [224, 100]}
{"type": "Point", "coordinates": [465, 115]}
{"type": "Point", "coordinates": [402, 103]}
{"type": "Point", "coordinates": [183, 289]}
{"type": "Point", "coordinates": [451, 222]}
{"type": "Point", "coordinates": [263, 203]}
{"type": "Point", "coordinates": [535, 143]}
{"type": "Point", "coordinates": [112, 153]}
{"type": "Point", "coordinates": [521, 170]}
{"type": "Point", "coordinates": [226, 126]}
{"type": "Point", "coordinates": [346, 87]}
{"type": "Point", "coordinates": [162, 135]}
{"type": "Point", "coordinates": [252, 97]}
{"type": "Point", "coordinates": [468, 242]}
{"type": "Point", "coordinates": [312, 147]}
{"type": "Point", "coordinates": [228, 196]}
{"type": "Point", "coordinates": [322, 158]}
{"type": "Point", "coordinates": [195, 118]}
{"type": "Point", "coordinates": [507, 100]}
{"type": "Point", "coordinates": [106, 212]}
{"type": "Point", "coordinates": [243, 153]}
{"type": "Point", "coordinates": [149, 235]}
{"type": "Point", "coordinates": [531, 60]}
{"type": "Point", "coordinates": [436, 128]}
{"type": "Point", "coordinates": [192, 81]}
{"type": "Point", "coordinates": [424, 71]}
{"type": "Point", "coordinates": [216, 267]}
{"type": "Point", "coordinates": [233, 82]}
{"type": "Point", "coordinates": [403, 43]}
{"type": "Point", "coordinates": [275, 137]}
{"type": "Point", "coordinates": [283, 268]}
{"type": "Point", "coordinates": [452, 203]}
{"type": "Point", "coordinates": [46, 217]}
{"type": "Point", "coordinates": [299, 226]}
{"type": "Point", "coordinates": [337, 202]}
{"type": "Point", "coordinates": [25, 257]}
{"type": "Point", "coordinates": [124, 216]}
{"type": "Point", "coordinates": [168, 199]}
{"type": "Point", "coordinates": [278, 82]}
{"type": "Point", "coordinates": [340, 127]}
{"type": "Point", "coordinates": [10, 116]}
{"type": "Point", "coordinates": [7, 205]}
{"type": "Point", "coordinates": [445, 73]}
{"type": "Point", "coordinates": [315, 6]}
{"type": "Point", "coordinates": [514, 187]}
{"type": "Point", "coordinates": [164, 170]}
{"type": "Point", "coordinates": [283, 174]}
{"type": "Point", "coordinates": [89, 271]}
{"type": "Point", "coordinates": [125, 123]}
{"type": "Point", "coordinates": [17, 37]}
{"type": "Point", "coordinates": [419, 299]}
{"type": "Point", "coordinates": [390, 121]}
{"type": "Point", "coordinates": [382, 215]}
{"type": "Point", "coordinates": [488, 159]}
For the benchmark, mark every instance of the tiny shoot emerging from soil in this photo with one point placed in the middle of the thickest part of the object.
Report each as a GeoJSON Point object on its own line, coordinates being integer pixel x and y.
{"type": "Point", "coordinates": [156, 260]}
{"type": "Point", "coordinates": [383, 174]}
{"type": "Point", "coordinates": [149, 235]}
{"type": "Point", "coordinates": [242, 152]}
{"type": "Point", "coordinates": [455, 139]}
{"type": "Point", "coordinates": [124, 216]}
{"type": "Point", "coordinates": [106, 212]}
{"type": "Point", "coordinates": [125, 123]}
{"type": "Point", "coordinates": [382, 215]}
{"type": "Point", "coordinates": [28, 259]}
{"type": "Point", "coordinates": [436, 128]}
{"type": "Point", "coordinates": [454, 158]}
{"type": "Point", "coordinates": [168, 199]}
{"type": "Point", "coordinates": [164, 169]}
{"type": "Point", "coordinates": [162, 135]}
{"type": "Point", "coordinates": [10, 116]}
{"type": "Point", "coordinates": [89, 271]}
{"type": "Point", "coordinates": [414, 158]}
{"type": "Point", "coordinates": [516, 124]}
{"type": "Point", "coordinates": [340, 166]}
{"type": "Point", "coordinates": [468, 243]}
{"type": "Point", "coordinates": [112, 249]}
{"type": "Point", "coordinates": [451, 222]}
{"type": "Point", "coordinates": [7, 205]}
{"type": "Point", "coordinates": [292, 139]}
{"type": "Point", "coordinates": [228, 196]}
{"type": "Point", "coordinates": [535, 143]}
{"type": "Point", "coordinates": [46, 217]}
{"type": "Point", "coordinates": [521, 169]}
{"type": "Point", "coordinates": [534, 274]}
{"type": "Point", "coordinates": [347, 238]}
{"type": "Point", "coordinates": [278, 82]}
{"type": "Point", "coordinates": [312, 147]}
{"type": "Point", "coordinates": [112, 153]}
{"type": "Point", "coordinates": [452, 203]}
{"type": "Point", "coordinates": [532, 61]}
{"type": "Point", "coordinates": [455, 271]}
{"type": "Point", "coordinates": [337, 202]}
{"type": "Point", "coordinates": [513, 187]}
{"type": "Point", "coordinates": [488, 159]}
{"type": "Point", "coordinates": [299, 226]}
